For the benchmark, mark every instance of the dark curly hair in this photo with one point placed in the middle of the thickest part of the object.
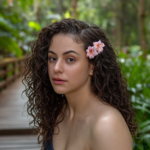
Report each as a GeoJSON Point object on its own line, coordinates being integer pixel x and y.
{"type": "Point", "coordinates": [108, 83]}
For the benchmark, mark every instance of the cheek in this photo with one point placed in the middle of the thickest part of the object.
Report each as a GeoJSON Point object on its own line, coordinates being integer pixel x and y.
{"type": "Point", "coordinates": [50, 71]}
{"type": "Point", "coordinates": [78, 73]}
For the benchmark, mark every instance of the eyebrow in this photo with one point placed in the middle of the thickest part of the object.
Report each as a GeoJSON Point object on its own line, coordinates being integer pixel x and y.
{"type": "Point", "coordinates": [70, 51]}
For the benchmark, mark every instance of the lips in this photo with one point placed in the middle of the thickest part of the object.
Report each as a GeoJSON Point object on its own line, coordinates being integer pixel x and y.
{"type": "Point", "coordinates": [58, 79]}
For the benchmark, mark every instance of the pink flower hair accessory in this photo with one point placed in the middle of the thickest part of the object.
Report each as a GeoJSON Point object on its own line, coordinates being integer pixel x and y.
{"type": "Point", "coordinates": [91, 52]}
{"type": "Point", "coordinates": [94, 50]}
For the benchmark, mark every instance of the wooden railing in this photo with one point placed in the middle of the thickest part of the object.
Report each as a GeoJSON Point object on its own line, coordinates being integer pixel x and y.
{"type": "Point", "coordinates": [10, 69]}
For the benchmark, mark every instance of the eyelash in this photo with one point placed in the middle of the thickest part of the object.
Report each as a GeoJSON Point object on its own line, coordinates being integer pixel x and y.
{"type": "Point", "coordinates": [68, 58]}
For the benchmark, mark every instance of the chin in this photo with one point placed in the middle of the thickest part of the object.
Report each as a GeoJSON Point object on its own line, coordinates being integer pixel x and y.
{"type": "Point", "coordinates": [58, 91]}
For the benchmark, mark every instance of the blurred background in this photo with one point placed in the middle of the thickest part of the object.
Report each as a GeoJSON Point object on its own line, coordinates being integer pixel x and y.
{"type": "Point", "coordinates": [125, 22]}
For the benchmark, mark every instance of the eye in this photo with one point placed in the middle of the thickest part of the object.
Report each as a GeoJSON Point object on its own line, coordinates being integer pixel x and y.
{"type": "Point", "coordinates": [51, 59]}
{"type": "Point", "coordinates": [72, 60]}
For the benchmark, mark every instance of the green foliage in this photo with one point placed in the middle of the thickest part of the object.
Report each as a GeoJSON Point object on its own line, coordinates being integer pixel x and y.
{"type": "Point", "coordinates": [34, 25]}
{"type": "Point", "coordinates": [15, 34]}
{"type": "Point", "coordinates": [67, 15]}
{"type": "Point", "coordinates": [8, 37]}
{"type": "Point", "coordinates": [9, 45]}
{"type": "Point", "coordinates": [137, 72]}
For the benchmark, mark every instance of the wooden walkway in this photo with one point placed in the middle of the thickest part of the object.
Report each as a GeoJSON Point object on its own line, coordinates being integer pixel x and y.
{"type": "Point", "coordinates": [15, 132]}
{"type": "Point", "coordinates": [26, 142]}
{"type": "Point", "coordinates": [13, 114]}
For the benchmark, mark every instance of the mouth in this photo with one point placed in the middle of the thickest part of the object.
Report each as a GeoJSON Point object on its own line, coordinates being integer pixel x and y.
{"type": "Point", "coordinates": [59, 81]}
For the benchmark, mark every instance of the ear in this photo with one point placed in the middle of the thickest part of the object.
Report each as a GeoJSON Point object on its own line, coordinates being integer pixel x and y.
{"type": "Point", "coordinates": [91, 69]}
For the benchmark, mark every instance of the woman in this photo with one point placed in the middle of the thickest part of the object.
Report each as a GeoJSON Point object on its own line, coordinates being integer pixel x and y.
{"type": "Point", "coordinates": [89, 109]}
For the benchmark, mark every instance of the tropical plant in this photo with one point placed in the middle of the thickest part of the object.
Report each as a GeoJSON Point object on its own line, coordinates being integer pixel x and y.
{"type": "Point", "coordinates": [137, 72]}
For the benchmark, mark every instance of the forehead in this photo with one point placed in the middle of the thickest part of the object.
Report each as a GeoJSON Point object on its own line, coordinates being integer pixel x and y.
{"type": "Point", "coordinates": [63, 42]}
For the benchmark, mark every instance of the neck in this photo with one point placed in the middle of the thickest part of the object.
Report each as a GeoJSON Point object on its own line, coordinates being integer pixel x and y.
{"type": "Point", "coordinates": [78, 102]}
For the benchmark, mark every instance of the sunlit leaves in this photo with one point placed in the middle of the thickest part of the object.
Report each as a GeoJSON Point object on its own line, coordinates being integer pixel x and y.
{"type": "Point", "coordinates": [34, 25]}
{"type": "Point", "coordinates": [67, 15]}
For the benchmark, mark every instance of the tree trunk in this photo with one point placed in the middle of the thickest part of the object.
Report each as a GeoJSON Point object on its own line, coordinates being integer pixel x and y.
{"type": "Point", "coordinates": [116, 30]}
{"type": "Point", "coordinates": [59, 7]}
{"type": "Point", "coordinates": [142, 27]}
{"type": "Point", "coordinates": [37, 10]}
{"type": "Point", "coordinates": [74, 6]}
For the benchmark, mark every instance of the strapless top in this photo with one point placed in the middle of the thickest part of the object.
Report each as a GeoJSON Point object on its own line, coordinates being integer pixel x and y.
{"type": "Point", "coordinates": [48, 144]}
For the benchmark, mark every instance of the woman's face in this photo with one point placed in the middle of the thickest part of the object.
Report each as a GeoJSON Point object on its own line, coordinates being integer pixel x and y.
{"type": "Point", "coordinates": [67, 60]}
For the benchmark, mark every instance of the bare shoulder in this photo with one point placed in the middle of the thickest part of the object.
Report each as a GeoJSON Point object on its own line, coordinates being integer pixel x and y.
{"type": "Point", "coordinates": [109, 131]}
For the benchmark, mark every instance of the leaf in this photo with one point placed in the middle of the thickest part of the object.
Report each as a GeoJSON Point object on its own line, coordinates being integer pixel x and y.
{"type": "Point", "coordinates": [34, 25]}
{"type": "Point", "coordinates": [9, 45]}
{"type": "Point", "coordinates": [6, 26]}
{"type": "Point", "coordinates": [143, 109]}
{"type": "Point", "coordinates": [146, 136]}
{"type": "Point", "coordinates": [67, 15]}
{"type": "Point", "coordinates": [144, 123]}
{"type": "Point", "coordinates": [145, 129]}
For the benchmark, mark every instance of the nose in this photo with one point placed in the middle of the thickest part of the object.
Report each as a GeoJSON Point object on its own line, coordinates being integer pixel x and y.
{"type": "Point", "coordinates": [58, 68]}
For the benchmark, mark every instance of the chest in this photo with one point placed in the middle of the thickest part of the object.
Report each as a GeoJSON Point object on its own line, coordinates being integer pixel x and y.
{"type": "Point", "coordinates": [71, 137]}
